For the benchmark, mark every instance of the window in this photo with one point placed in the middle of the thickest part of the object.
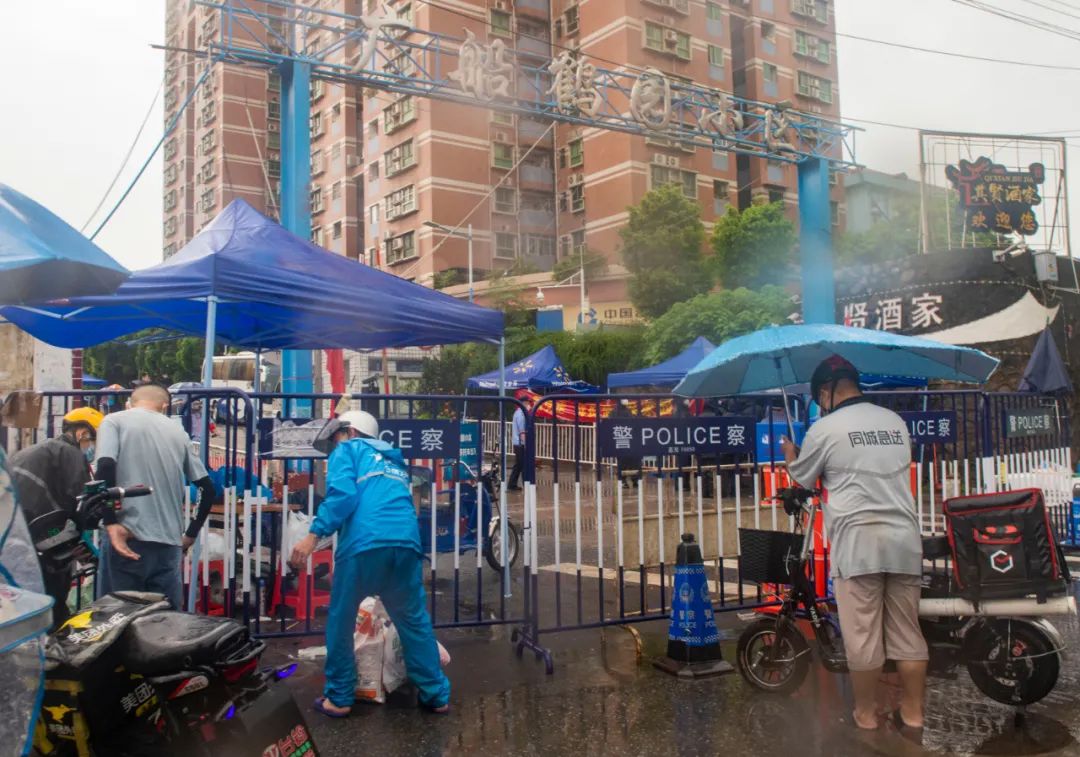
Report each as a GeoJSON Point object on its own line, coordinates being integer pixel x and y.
{"type": "Point", "coordinates": [577, 198]}
{"type": "Point", "coordinates": [317, 87]}
{"type": "Point", "coordinates": [335, 152]}
{"type": "Point", "coordinates": [373, 213]}
{"type": "Point", "coordinates": [571, 20]}
{"type": "Point", "coordinates": [669, 41]}
{"type": "Point", "coordinates": [716, 55]}
{"type": "Point", "coordinates": [770, 73]}
{"type": "Point", "coordinates": [373, 171]}
{"type": "Point", "coordinates": [816, 9]}
{"type": "Point", "coordinates": [335, 190]}
{"type": "Point", "coordinates": [834, 212]}
{"type": "Point", "coordinates": [169, 200]}
{"type": "Point", "coordinates": [405, 13]}
{"type": "Point", "coordinates": [577, 241]}
{"type": "Point", "coordinates": [273, 83]}
{"type": "Point", "coordinates": [335, 112]}
{"type": "Point", "coordinates": [273, 109]}
{"type": "Point", "coordinates": [209, 112]}
{"type": "Point", "coordinates": [400, 203]}
{"type": "Point", "coordinates": [170, 149]}
{"type": "Point", "coordinates": [409, 366]}
{"type": "Point", "coordinates": [812, 47]}
{"type": "Point", "coordinates": [768, 31]}
{"type": "Point", "coordinates": [505, 200]}
{"type": "Point", "coordinates": [317, 165]}
{"type": "Point", "coordinates": [815, 87]}
{"type": "Point", "coordinates": [720, 190]}
{"type": "Point", "coordinates": [402, 65]}
{"type": "Point", "coordinates": [208, 201]}
{"type": "Point", "coordinates": [317, 236]}
{"type": "Point", "coordinates": [374, 365]}
{"type": "Point", "coordinates": [502, 155]}
{"type": "Point", "coordinates": [315, 124]}
{"type": "Point", "coordinates": [505, 245]}
{"type": "Point", "coordinates": [208, 170]}
{"type": "Point", "coordinates": [577, 153]}
{"type": "Point", "coordinates": [398, 114]}
{"type": "Point", "coordinates": [169, 249]}
{"type": "Point", "coordinates": [316, 200]}
{"type": "Point", "coordinates": [662, 175]}
{"type": "Point", "coordinates": [776, 194]}
{"type": "Point", "coordinates": [373, 129]}
{"type": "Point", "coordinates": [273, 169]}
{"type": "Point", "coordinates": [208, 142]}
{"type": "Point", "coordinates": [500, 23]}
{"type": "Point", "coordinates": [611, 313]}
{"type": "Point", "coordinates": [273, 140]}
{"type": "Point", "coordinates": [539, 246]}
{"type": "Point", "coordinates": [400, 247]}
{"type": "Point", "coordinates": [502, 118]}
{"type": "Point", "coordinates": [337, 229]}
{"type": "Point", "coordinates": [713, 12]}
{"type": "Point", "coordinates": [400, 158]}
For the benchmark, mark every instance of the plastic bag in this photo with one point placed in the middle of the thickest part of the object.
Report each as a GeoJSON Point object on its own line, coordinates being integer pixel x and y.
{"type": "Point", "coordinates": [394, 673]}
{"type": "Point", "coordinates": [299, 526]}
{"type": "Point", "coordinates": [368, 649]}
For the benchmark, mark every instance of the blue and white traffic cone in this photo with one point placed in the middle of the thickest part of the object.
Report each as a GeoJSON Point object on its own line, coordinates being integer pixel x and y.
{"type": "Point", "coordinates": [693, 649]}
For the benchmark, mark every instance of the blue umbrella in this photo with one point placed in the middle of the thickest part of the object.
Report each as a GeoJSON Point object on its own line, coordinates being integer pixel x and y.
{"type": "Point", "coordinates": [780, 356]}
{"type": "Point", "coordinates": [43, 258]}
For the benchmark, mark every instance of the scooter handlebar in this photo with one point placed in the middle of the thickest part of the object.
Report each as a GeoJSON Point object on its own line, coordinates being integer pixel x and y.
{"type": "Point", "coordinates": [127, 492]}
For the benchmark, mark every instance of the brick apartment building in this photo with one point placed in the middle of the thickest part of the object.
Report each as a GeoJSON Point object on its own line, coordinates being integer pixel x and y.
{"type": "Point", "coordinates": [384, 165]}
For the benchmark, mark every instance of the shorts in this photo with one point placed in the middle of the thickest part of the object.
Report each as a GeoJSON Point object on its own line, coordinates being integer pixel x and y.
{"type": "Point", "coordinates": [879, 619]}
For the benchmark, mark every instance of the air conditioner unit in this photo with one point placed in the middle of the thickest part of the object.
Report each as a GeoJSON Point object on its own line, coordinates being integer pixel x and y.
{"type": "Point", "coordinates": [500, 136]}
{"type": "Point", "coordinates": [502, 5]}
{"type": "Point", "coordinates": [273, 126]}
{"type": "Point", "coordinates": [673, 161]}
{"type": "Point", "coordinates": [354, 161]}
{"type": "Point", "coordinates": [660, 160]}
{"type": "Point", "coordinates": [667, 20]}
{"type": "Point", "coordinates": [671, 37]}
{"type": "Point", "coordinates": [577, 178]}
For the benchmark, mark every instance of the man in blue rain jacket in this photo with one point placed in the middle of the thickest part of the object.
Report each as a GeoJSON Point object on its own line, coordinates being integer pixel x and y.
{"type": "Point", "coordinates": [369, 505]}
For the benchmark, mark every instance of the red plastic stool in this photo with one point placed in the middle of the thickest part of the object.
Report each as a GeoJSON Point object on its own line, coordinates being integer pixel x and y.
{"type": "Point", "coordinates": [298, 598]}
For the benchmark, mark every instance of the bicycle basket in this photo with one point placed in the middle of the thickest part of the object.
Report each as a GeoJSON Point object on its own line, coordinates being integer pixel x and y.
{"type": "Point", "coordinates": [765, 556]}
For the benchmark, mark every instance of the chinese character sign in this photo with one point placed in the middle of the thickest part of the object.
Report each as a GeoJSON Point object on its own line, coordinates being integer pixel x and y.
{"type": "Point", "coordinates": [996, 199]}
{"type": "Point", "coordinates": [645, 437]}
{"type": "Point", "coordinates": [1020, 424]}
{"type": "Point", "coordinates": [293, 439]}
{"type": "Point", "coordinates": [918, 311]}
{"type": "Point", "coordinates": [931, 427]}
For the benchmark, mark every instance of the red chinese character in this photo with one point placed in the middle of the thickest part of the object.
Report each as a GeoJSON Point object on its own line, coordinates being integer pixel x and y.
{"type": "Point", "coordinates": [285, 745]}
{"type": "Point", "coordinates": [271, 751]}
{"type": "Point", "coordinates": [299, 735]}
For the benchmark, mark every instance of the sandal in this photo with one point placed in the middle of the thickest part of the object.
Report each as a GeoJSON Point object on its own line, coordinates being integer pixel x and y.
{"type": "Point", "coordinates": [443, 709]}
{"type": "Point", "coordinates": [850, 720]}
{"type": "Point", "coordinates": [320, 706]}
{"type": "Point", "coordinates": [910, 732]}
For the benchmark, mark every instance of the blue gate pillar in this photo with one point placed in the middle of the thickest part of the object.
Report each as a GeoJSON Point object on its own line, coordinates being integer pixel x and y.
{"type": "Point", "coordinates": [296, 365]}
{"type": "Point", "coordinates": [815, 242]}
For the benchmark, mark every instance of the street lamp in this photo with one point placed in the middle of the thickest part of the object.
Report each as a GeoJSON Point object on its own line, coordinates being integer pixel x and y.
{"type": "Point", "coordinates": [569, 281]}
{"type": "Point", "coordinates": [457, 233]}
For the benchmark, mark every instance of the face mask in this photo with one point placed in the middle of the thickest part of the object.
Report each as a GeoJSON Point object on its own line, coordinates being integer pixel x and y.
{"type": "Point", "coordinates": [88, 453]}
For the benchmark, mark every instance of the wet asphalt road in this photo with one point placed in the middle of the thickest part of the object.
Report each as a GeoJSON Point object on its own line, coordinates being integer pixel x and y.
{"type": "Point", "coordinates": [602, 701]}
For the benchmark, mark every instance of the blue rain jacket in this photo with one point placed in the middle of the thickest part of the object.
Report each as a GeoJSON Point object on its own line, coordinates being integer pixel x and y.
{"type": "Point", "coordinates": [368, 501]}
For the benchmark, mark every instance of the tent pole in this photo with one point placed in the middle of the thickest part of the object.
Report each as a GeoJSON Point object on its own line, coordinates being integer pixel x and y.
{"type": "Point", "coordinates": [787, 416]}
{"type": "Point", "coordinates": [256, 383]}
{"type": "Point", "coordinates": [211, 336]}
{"type": "Point", "coordinates": [503, 528]}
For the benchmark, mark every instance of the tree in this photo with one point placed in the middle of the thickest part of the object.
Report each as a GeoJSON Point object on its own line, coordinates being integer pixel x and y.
{"type": "Point", "coordinates": [717, 317]}
{"type": "Point", "coordinates": [119, 362]}
{"type": "Point", "coordinates": [594, 263]}
{"type": "Point", "coordinates": [754, 246]}
{"type": "Point", "coordinates": [662, 249]}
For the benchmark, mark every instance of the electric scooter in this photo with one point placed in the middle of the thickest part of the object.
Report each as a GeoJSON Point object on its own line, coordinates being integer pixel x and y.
{"type": "Point", "coordinates": [1012, 654]}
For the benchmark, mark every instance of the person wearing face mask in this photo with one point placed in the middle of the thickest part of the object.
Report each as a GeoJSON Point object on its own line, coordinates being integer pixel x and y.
{"type": "Point", "coordinates": [861, 453]}
{"type": "Point", "coordinates": [50, 476]}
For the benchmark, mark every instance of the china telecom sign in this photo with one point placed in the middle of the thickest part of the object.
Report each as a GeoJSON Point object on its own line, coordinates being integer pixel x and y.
{"type": "Point", "coordinates": [996, 199]}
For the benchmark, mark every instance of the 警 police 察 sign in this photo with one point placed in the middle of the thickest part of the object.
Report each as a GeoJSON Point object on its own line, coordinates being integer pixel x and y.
{"type": "Point", "coordinates": [931, 427]}
{"type": "Point", "coordinates": [644, 437]}
{"type": "Point", "coordinates": [1020, 424]}
{"type": "Point", "coordinates": [291, 439]}
{"type": "Point", "coordinates": [996, 199]}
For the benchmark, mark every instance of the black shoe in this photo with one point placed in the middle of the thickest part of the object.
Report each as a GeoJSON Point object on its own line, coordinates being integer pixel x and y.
{"type": "Point", "coordinates": [513, 488]}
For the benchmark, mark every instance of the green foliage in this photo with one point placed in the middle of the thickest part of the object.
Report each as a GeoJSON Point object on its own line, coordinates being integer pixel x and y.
{"type": "Point", "coordinates": [448, 278]}
{"type": "Point", "coordinates": [172, 360]}
{"type": "Point", "coordinates": [594, 263]}
{"type": "Point", "coordinates": [754, 246]}
{"type": "Point", "coordinates": [717, 317]}
{"type": "Point", "coordinates": [662, 249]}
{"type": "Point", "coordinates": [446, 374]}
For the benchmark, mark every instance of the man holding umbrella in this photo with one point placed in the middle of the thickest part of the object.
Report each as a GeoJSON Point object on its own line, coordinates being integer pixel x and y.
{"type": "Point", "coordinates": [862, 455]}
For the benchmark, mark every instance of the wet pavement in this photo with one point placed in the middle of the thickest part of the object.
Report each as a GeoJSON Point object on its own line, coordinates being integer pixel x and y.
{"type": "Point", "coordinates": [602, 700]}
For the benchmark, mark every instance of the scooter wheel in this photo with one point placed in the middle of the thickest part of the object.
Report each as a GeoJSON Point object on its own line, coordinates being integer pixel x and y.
{"type": "Point", "coordinates": [773, 656]}
{"type": "Point", "coordinates": [1020, 668]}
{"type": "Point", "coordinates": [492, 550]}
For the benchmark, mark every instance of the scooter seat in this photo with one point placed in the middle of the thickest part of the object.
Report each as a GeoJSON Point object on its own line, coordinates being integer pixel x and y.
{"type": "Point", "coordinates": [936, 547]}
{"type": "Point", "coordinates": [171, 641]}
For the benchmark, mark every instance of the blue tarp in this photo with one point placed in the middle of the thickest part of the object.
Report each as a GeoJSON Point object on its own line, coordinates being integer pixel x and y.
{"type": "Point", "coordinates": [43, 258]}
{"type": "Point", "coordinates": [275, 291]}
{"type": "Point", "coordinates": [541, 370]}
{"type": "Point", "coordinates": [92, 382]}
{"type": "Point", "coordinates": [668, 373]}
{"type": "Point", "coordinates": [1046, 372]}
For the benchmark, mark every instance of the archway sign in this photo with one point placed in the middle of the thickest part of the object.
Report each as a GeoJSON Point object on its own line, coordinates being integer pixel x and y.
{"type": "Point", "coordinates": [384, 51]}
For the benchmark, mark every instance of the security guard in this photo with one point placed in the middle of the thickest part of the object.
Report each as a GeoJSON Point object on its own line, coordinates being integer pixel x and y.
{"type": "Point", "coordinates": [50, 476]}
{"type": "Point", "coordinates": [369, 505]}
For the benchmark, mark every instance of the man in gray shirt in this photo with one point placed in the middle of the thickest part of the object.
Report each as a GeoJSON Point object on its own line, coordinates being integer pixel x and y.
{"type": "Point", "coordinates": [862, 455]}
{"type": "Point", "coordinates": [147, 537]}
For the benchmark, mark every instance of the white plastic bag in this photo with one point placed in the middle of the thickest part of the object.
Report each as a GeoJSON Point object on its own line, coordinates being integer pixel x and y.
{"type": "Point", "coordinates": [299, 526]}
{"type": "Point", "coordinates": [368, 649]}
{"type": "Point", "coordinates": [393, 661]}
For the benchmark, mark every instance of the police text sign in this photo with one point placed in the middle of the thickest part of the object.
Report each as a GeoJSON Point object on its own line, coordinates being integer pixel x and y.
{"type": "Point", "coordinates": [1020, 424]}
{"type": "Point", "coordinates": [643, 437]}
{"type": "Point", "coordinates": [931, 427]}
{"type": "Point", "coordinates": [293, 438]}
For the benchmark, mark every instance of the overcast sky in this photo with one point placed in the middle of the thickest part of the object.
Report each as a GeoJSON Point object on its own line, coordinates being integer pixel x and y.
{"type": "Point", "coordinates": [80, 77]}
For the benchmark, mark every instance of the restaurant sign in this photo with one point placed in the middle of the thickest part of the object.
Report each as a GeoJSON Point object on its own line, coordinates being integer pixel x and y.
{"type": "Point", "coordinates": [996, 199]}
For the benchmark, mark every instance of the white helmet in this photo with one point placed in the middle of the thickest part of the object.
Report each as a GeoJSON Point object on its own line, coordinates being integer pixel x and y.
{"type": "Point", "coordinates": [362, 422]}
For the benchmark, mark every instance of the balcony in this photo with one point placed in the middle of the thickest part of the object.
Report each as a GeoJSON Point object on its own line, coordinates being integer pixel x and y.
{"type": "Point", "coordinates": [536, 177]}
{"type": "Point", "coordinates": [530, 45]}
{"type": "Point", "coordinates": [543, 262]}
{"type": "Point", "coordinates": [536, 219]}
{"type": "Point", "coordinates": [533, 8]}
{"type": "Point", "coordinates": [530, 131]}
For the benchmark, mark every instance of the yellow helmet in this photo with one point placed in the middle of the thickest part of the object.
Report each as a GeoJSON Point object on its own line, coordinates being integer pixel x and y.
{"type": "Point", "coordinates": [87, 415]}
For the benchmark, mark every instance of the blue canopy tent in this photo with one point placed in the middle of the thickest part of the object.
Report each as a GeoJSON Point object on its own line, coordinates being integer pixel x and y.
{"type": "Point", "coordinates": [668, 373]}
{"type": "Point", "coordinates": [92, 382]}
{"type": "Point", "coordinates": [43, 258]}
{"type": "Point", "coordinates": [246, 281]}
{"type": "Point", "coordinates": [541, 370]}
